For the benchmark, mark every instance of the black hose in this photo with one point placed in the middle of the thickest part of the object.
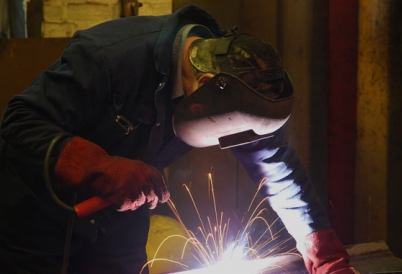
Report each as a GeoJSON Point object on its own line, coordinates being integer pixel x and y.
{"type": "Point", "coordinates": [46, 174]}
{"type": "Point", "coordinates": [67, 243]}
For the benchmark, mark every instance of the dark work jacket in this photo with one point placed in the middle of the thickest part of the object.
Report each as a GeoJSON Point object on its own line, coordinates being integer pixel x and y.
{"type": "Point", "coordinates": [118, 68]}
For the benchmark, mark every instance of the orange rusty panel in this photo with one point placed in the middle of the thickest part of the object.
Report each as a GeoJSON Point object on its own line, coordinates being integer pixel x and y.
{"type": "Point", "coordinates": [22, 60]}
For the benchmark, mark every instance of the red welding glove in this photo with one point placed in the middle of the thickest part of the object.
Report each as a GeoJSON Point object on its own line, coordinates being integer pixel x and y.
{"type": "Point", "coordinates": [121, 181]}
{"type": "Point", "coordinates": [324, 253]}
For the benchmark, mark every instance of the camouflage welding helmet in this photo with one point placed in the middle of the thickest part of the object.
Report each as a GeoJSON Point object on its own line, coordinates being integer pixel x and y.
{"type": "Point", "coordinates": [249, 98]}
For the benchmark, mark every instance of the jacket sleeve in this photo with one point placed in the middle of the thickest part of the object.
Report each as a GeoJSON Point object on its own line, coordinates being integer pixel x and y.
{"type": "Point", "coordinates": [290, 192]}
{"type": "Point", "coordinates": [64, 98]}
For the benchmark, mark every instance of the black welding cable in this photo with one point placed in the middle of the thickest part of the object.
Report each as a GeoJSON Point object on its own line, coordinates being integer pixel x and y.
{"type": "Point", "coordinates": [66, 253]}
{"type": "Point", "coordinates": [47, 173]}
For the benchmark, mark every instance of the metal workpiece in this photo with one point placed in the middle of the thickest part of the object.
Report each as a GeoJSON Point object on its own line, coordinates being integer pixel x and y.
{"type": "Point", "coordinates": [367, 258]}
{"type": "Point", "coordinates": [374, 258]}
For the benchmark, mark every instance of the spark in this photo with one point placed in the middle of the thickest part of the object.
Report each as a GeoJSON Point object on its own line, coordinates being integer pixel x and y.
{"type": "Point", "coordinates": [215, 249]}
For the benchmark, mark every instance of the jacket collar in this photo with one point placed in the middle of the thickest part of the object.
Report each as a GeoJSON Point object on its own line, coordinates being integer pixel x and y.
{"type": "Point", "coordinates": [190, 14]}
{"type": "Point", "coordinates": [178, 52]}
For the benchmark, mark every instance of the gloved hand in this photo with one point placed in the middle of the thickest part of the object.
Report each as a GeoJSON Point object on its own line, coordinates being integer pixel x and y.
{"type": "Point", "coordinates": [121, 181]}
{"type": "Point", "coordinates": [324, 253]}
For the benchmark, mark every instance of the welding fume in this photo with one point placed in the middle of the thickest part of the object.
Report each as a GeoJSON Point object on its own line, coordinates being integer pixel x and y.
{"type": "Point", "coordinates": [82, 149]}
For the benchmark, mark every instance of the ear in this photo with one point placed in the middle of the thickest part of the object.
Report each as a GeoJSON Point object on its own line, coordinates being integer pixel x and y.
{"type": "Point", "coordinates": [204, 78]}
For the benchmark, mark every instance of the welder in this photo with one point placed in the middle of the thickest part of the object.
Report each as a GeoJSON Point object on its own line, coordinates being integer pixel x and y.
{"type": "Point", "coordinates": [126, 99]}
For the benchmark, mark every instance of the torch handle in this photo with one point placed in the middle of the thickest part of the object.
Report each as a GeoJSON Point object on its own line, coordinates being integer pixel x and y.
{"type": "Point", "coordinates": [90, 206]}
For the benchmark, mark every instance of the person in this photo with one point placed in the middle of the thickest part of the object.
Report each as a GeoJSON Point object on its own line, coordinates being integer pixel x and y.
{"type": "Point", "coordinates": [106, 117]}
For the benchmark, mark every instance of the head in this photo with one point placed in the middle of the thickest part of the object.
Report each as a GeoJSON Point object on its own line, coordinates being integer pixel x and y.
{"type": "Point", "coordinates": [241, 55]}
{"type": "Point", "coordinates": [238, 92]}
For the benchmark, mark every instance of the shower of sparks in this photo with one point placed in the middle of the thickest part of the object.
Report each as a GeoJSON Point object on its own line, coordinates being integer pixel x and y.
{"type": "Point", "coordinates": [215, 250]}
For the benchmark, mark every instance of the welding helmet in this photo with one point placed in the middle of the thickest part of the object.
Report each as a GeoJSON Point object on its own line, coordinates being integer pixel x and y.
{"type": "Point", "coordinates": [248, 99]}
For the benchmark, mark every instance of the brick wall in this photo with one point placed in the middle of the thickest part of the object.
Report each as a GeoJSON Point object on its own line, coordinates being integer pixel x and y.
{"type": "Point", "coordinates": [61, 18]}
